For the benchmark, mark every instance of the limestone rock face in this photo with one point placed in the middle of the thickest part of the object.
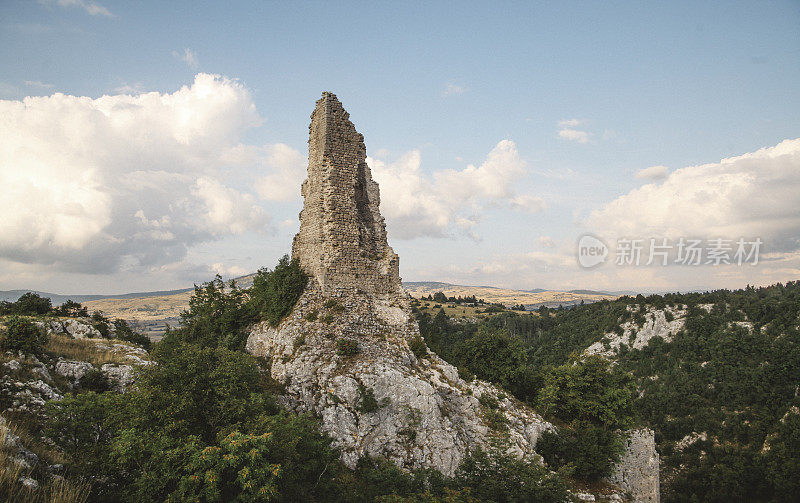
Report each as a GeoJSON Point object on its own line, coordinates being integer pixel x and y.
{"type": "Point", "coordinates": [342, 238]}
{"type": "Point", "coordinates": [637, 471]}
{"type": "Point", "coordinates": [636, 337]}
{"type": "Point", "coordinates": [384, 400]}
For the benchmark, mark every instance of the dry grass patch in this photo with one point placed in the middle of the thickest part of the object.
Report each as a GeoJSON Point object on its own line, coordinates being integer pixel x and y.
{"type": "Point", "coordinates": [85, 350]}
{"type": "Point", "coordinates": [53, 491]}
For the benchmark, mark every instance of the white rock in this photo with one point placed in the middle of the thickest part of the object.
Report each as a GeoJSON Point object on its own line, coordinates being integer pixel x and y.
{"type": "Point", "coordinates": [12, 365]}
{"type": "Point", "coordinates": [80, 330]}
{"type": "Point", "coordinates": [72, 369]}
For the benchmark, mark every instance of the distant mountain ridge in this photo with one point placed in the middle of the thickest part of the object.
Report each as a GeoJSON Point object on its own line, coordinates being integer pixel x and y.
{"type": "Point", "coordinates": [57, 299]}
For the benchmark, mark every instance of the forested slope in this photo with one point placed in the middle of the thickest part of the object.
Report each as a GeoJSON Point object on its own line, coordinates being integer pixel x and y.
{"type": "Point", "coordinates": [721, 391]}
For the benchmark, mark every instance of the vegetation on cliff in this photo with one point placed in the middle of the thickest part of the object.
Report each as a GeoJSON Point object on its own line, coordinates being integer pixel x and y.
{"type": "Point", "coordinates": [722, 395]}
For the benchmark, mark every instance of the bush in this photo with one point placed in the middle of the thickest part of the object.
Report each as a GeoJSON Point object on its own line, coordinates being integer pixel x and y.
{"type": "Point", "coordinates": [418, 347]}
{"type": "Point", "coordinates": [23, 335]}
{"type": "Point", "coordinates": [101, 323]}
{"type": "Point", "coordinates": [217, 316]}
{"type": "Point", "coordinates": [588, 451]}
{"type": "Point", "coordinates": [368, 403]}
{"type": "Point", "coordinates": [94, 380]}
{"type": "Point", "coordinates": [274, 293]}
{"type": "Point", "coordinates": [347, 347]}
{"type": "Point", "coordinates": [30, 304]}
{"type": "Point", "coordinates": [126, 333]}
{"type": "Point", "coordinates": [500, 477]}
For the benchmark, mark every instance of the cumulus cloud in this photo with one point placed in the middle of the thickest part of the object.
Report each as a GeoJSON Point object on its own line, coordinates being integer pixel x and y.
{"type": "Point", "coordinates": [91, 8]}
{"type": "Point", "coordinates": [654, 173]}
{"type": "Point", "coordinates": [121, 181]}
{"type": "Point", "coordinates": [416, 204]}
{"type": "Point", "coordinates": [189, 57]}
{"type": "Point", "coordinates": [286, 169]}
{"type": "Point", "coordinates": [573, 135]}
{"type": "Point", "coordinates": [752, 195]}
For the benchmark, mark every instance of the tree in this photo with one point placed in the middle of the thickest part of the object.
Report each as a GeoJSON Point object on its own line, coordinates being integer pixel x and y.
{"type": "Point", "coordinates": [22, 335]}
{"type": "Point", "coordinates": [275, 293]}
{"type": "Point", "coordinates": [31, 304]}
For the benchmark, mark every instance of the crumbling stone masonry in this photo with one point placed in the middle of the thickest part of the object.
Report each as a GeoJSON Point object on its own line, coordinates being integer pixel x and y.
{"type": "Point", "coordinates": [342, 239]}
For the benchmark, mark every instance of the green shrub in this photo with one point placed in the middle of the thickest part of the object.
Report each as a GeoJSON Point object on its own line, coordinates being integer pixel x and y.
{"type": "Point", "coordinates": [101, 323]}
{"type": "Point", "coordinates": [274, 293]}
{"type": "Point", "coordinates": [500, 477]}
{"type": "Point", "coordinates": [418, 347]}
{"type": "Point", "coordinates": [23, 335]}
{"type": "Point", "coordinates": [347, 347]}
{"type": "Point", "coordinates": [587, 450]}
{"type": "Point", "coordinates": [312, 315]}
{"type": "Point", "coordinates": [94, 380]}
{"type": "Point", "coordinates": [126, 333]}
{"type": "Point", "coordinates": [299, 341]}
{"type": "Point", "coordinates": [367, 402]}
{"type": "Point", "coordinates": [29, 304]}
{"type": "Point", "coordinates": [334, 306]}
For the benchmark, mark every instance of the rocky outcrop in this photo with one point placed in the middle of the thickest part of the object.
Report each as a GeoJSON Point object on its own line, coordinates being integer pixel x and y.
{"type": "Point", "coordinates": [664, 323]}
{"type": "Point", "coordinates": [345, 351]}
{"type": "Point", "coordinates": [384, 400]}
{"type": "Point", "coordinates": [75, 328]}
{"type": "Point", "coordinates": [637, 472]}
{"type": "Point", "coordinates": [72, 369]}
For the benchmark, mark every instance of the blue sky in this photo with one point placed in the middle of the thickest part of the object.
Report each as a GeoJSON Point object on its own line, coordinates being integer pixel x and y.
{"type": "Point", "coordinates": [589, 94]}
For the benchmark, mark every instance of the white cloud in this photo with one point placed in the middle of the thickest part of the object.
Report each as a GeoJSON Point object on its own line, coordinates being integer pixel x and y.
{"type": "Point", "coordinates": [189, 57]}
{"type": "Point", "coordinates": [546, 241]}
{"type": "Point", "coordinates": [654, 173]}
{"type": "Point", "coordinates": [569, 123]}
{"type": "Point", "coordinates": [527, 202]}
{"type": "Point", "coordinates": [451, 89]}
{"type": "Point", "coordinates": [228, 271]}
{"type": "Point", "coordinates": [415, 204]}
{"type": "Point", "coordinates": [751, 195]}
{"type": "Point", "coordinates": [38, 83]}
{"type": "Point", "coordinates": [126, 88]}
{"type": "Point", "coordinates": [90, 7]}
{"type": "Point", "coordinates": [122, 182]}
{"type": "Point", "coordinates": [288, 170]}
{"type": "Point", "coordinates": [573, 135]}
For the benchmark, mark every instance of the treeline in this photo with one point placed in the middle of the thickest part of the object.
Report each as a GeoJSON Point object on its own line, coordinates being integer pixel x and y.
{"type": "Point", "coordinates": [732, 374]}
{"type": "Point", "coordinates": [20, 328]}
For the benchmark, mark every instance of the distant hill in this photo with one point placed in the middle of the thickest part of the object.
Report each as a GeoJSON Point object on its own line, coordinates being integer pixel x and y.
{"type": "Point", "coordinates": [166, 305]}
{"type": "Point", "coordinates": [58, 299]}
{"type": "Point", "coordinates": [531, 299]}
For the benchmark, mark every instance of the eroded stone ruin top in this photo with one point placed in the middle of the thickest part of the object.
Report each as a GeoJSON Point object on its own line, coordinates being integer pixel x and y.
{"type": "Point", "coordinates": [342, 238]}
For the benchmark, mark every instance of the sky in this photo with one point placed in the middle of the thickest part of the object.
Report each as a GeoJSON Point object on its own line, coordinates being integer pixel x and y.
{"type": "Point", "coordinates": [151, 145]}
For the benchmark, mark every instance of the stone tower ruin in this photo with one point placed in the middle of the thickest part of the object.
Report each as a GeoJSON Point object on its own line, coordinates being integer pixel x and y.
{"type": "Point", "coordinates": [342, 238]}
{"type": "Point", "coordinates": [423, 415]}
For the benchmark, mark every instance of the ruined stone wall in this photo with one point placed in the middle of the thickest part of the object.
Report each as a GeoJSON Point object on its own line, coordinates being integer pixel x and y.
{"type": "Point", "coordinates": [342, 238]}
